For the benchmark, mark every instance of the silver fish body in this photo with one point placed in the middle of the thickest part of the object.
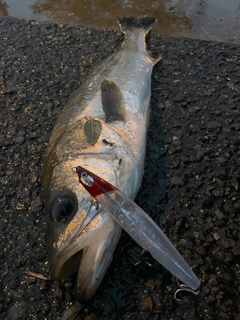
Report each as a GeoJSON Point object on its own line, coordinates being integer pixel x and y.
{"type": "Point", "coordinates": [103, 128]}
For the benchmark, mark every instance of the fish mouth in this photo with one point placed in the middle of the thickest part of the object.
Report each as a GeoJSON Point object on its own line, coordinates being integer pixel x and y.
{"type": "Point", "coordinates": [64, 268]}
{"type": "Point", "coordinates": [88, 256]}
{"type": "Point", "coordinates": [68, 265]}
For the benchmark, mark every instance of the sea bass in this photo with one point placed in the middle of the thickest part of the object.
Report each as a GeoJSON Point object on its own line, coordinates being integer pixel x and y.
{"type": "Point", "coordinates": [102, 128]}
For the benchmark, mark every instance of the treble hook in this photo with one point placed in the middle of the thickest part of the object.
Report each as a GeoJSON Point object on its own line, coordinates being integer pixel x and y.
{"type": "Point", "coordinates": [184, 288]}
{"type": "Point", "coordinates": [143, 259]}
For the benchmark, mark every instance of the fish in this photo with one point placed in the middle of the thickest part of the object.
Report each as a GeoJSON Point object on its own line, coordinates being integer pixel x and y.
{"type": "Point", "coordinates": [103, 128]}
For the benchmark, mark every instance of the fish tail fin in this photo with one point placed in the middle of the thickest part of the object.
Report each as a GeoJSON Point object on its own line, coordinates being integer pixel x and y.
{"type": "Point", "coordinates": [127, 23]}
{"type": "Point", "coordinates": [135, 30]}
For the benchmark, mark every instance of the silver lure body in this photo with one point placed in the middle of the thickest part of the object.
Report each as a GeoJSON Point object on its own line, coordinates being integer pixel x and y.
{"type": "Point", "coordinates": [103, 128]}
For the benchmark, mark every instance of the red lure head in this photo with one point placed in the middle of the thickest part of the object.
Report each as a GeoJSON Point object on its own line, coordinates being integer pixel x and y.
{"type": "Point", "coordinates": [93, 183]}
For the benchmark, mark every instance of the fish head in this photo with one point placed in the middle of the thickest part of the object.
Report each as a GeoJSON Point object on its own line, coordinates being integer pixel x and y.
{"type": "Point", "coordinates": [90, 251]}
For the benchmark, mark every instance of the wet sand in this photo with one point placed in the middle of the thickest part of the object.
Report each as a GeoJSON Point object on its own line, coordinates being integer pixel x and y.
{"type": "Point", "coordinates": [191, 182]}
{"type": "Point", "coordinates": [214, 20]}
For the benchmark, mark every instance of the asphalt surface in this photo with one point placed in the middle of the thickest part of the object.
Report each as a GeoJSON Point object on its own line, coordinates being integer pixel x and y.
{"type": "Point", "coordinates": [190, 187]}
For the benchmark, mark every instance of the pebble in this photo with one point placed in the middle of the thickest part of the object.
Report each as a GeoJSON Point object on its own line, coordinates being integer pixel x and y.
{"type": "Point", "coordinates": [177, 181]}
{"type": "Point", "coordinates": [36, 205]}
{"type": "Point", "coordinates": [227, 243]}
{"type": "Point", "coordinates": [201, 250]}
{"type": "Point", "coordinates": [146, 305]}
{"type": "Point", "coordinates": [214, 125]}
{"type": "Point", "coordinates": [219, 234]}
{"type": "Point", "coordinates": [236, 250]}
{"type": "Point", "coordinates": [219, 214]}
{"type": "Point", "coordinates": [223, 315]}
{"type": "Point", "coordinates": [19, 140]}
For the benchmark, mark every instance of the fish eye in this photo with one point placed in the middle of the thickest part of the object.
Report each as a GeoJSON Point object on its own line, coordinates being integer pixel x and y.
{"type": "Point", "coordinates": [63, 207]}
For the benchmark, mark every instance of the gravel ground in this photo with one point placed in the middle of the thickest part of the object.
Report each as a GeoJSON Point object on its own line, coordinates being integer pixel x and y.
{"type": "Point", "coordinates": [191, 183]}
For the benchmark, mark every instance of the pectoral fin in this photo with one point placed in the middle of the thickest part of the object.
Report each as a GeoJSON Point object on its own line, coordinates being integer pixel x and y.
{"type": "Point", "coordinates": [112, 101]}
{"type": "Point", "coordinates": [92, 130]}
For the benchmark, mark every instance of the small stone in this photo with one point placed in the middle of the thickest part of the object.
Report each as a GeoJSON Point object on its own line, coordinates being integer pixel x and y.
{"type": "Point", "coordinates": [187, 254]}
{"type": "Point", "coordinates": [226, 276]}
{"type": "Point", "coordinates": [212, 280]}
{"type": "Point", "coordinates": [40, 254]}
{"type": "Point", "coordinates": [199, 155]}
{"type": "Point", "coordinates": [227, 243]}
{"type": "Point", "coordinates": [219, 234]}
{"type": "Point", "coordinates": [232, 209]}
{"type": "Point", "coordinates": [185, 159]}
{"type": "Point", "coordinates": [199, 235]}
{"type": "Point", "coordinates": [220, 255]}
{"type": "Point", "coordinates": [194, 109]}
{"type": "Point", "coordinates": [236, 250]}
{"type": "Point", "coordinates": [167, 140]}
{"type": "Point", "coordinates": [214, 125]}
{"type": "Point", "coordinates": [15, 108]}
{"type": "Point", "coordinates": [204, 277]}
{"type": "Point", "coordinates": [205, 290]}
{"type": "Point", "coordinates": [215, 290]}
{"type": "Point", "coordinates": [150, 284]}
{"type": "Point", "coordinates": [19, 140]}
{"type": "Point", "coordinates": [37, 205]}
{"type": "Point", "coordinates": [161, 106]}
{"type": "Point", "coordinates": [177, 181]}
{"type": "Point", "coordinates": [174, 148]}
{"type": "Point", "coordinates": [179, 97]}
{"type": "Point", "coordinates": [190, 314]}
{"type": "Point", "coordinates": [146, 305]}
{"type": "Point", "coordinates": [217, 193]}
{"type": "Point", "coordinates": [221, 160]}
{"type": "Point", "coordinates": [22, 95]}
{"type": "Point", "coordinates": [20, 207]}
{"type": "Point", "coordinates": [229, 257]}
{"type": "Point", "coordinates": [33, 177]}
{"type": "Point", "coordinates": [179, 134]}
{"type": "Point", "coordinates": [219, 214]}
{"type": "Point", "coordinates": [201, 250]}
{"type": "Point", "coordinates": [210, 299]}
{"type": "Point", "coordinates": [209, 189]}
{"type": "Point", "coordinates": [222, 315]}
{"type": "Point", "coordinates": [228, 303]}
{"type": "Point", "coordinates": [237, 205]}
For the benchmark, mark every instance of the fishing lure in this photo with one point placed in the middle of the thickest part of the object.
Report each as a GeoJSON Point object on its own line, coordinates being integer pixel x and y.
{"type": "Point", "coordinates": [138, 225]}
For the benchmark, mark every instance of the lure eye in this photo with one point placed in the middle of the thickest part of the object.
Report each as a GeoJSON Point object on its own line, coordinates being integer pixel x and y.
{"type": "Point", "coordinates": [63, 207]}
{"type": "Point", "coordinates": [86, 178]}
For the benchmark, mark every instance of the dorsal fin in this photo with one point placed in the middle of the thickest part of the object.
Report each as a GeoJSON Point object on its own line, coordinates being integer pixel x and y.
{"type": "Point", "coordinates": [112, 101]}
{"type": "Point", "coordinates": [92, 130]}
